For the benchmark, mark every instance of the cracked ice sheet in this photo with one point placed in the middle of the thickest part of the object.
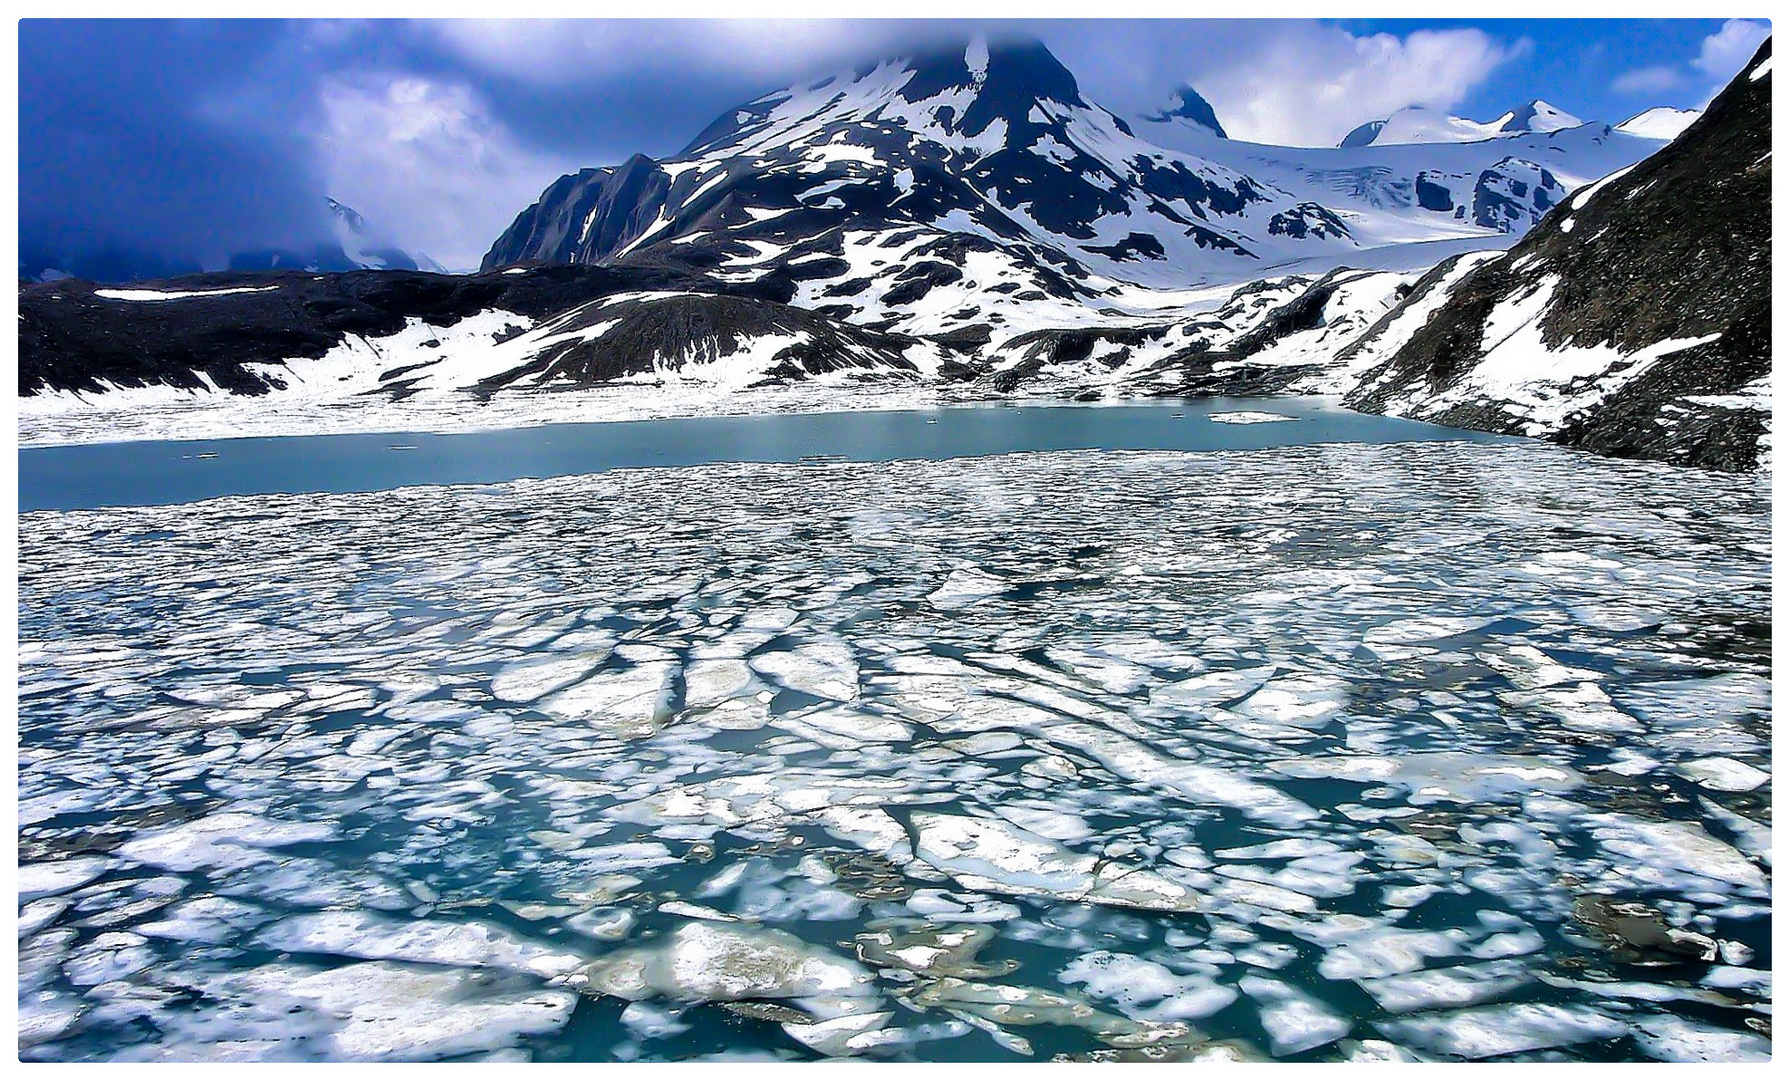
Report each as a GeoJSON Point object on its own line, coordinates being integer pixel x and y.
{"type": "Point", "coordinates": [1272, 687]}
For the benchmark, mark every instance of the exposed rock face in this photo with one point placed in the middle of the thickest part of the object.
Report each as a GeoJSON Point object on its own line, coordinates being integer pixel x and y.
{"type": "Point", "coordinates": [1634, 321]}
{"type": "Point", "coordinates": [1189, 107]}
{"type": "Point", "coordinates": [72, 337]}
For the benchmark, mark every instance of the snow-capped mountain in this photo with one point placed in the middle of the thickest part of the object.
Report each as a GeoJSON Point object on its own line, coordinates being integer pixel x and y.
{"type": "Point", "coordinates": [975, 194]}
{"type": "Point", "coordinates": [997, 145]}
{"type": "Point", "coordinates": [1187, 108]}
{"type": "Point", "coordinates": [1634, 320]}
{"type": "Point", "coordinates": [963, 222]}
{"type": "Point", "coordinates": [1419, 124]}
{"type": "Point", "coordinates": [354, 246]}
{"type": "Point", "coordinates": [367, 250]}
{"type": "Point", "coordinates": [1660, 123]}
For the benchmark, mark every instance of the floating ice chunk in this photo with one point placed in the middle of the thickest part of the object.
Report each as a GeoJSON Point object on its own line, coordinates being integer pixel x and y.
{"type": "Point", "coordinates": [369, 1011]}
{"type": "Point", "coordinates": [964, 587]}
{"type": "Point", "coordinates": [1316, 875]}
{"type": "Point", "coordinates": [1386, 951]}
{"type": "Point", "coordinates": [38, 880]}
{"type": "Point", "coordinates": [1426, 628]}
{"type": "Point", "coordinates": [1675, 1038]}
{"type": "Point", "coordinates": [1210, 689]}
{"type": "Point", "coordinates": [1443, 776]}
{"type": "Point", "coordinates": [229, 840]}
{"type": "Point", "coordinates": [1585, 707]}
{"type": "Point", "coordinates": [38, 914]}
{"type": "Point", "coordinates": [1376, 1050]}
{"type": "Point", "coordinates": [934, 904]}
{"type": "Point", "coordinates": [1294, 1021]}
{"type": "Point", "coordinates": [1748, 980]}
{"type": "Point", "coordinates": [370, 937]}
{"type": "Point", "coordinates": [686, 910]}
{"type": "Point", "coordinates": [1665, 853]}
{"type": "Point", "coordinates": [1520, 942]}
{"type": "Point", "coordinates": [1749, 836]}
{"type": "Point", "coordinates": [996, 856]}
{"type": "Point", "coordinates": [46, 1016]}
{"type": "Point", "coordinates": [1271, 955]}
{"type": "Point", "coordinates": [822, 669]}
{"type": "Point", "coordinates": [932, 950]}
{"type": "Point", "coordinates": [1051, 823]}
{"type": "Point", "coordinates": [1305, 700]}
{"type": "Point", "coordinates": [631, 703]}
{"type": "Point", "coordinates": [1724, 774]}
{"type": "Point", "coordinates": [1108, 673]}
{"type": "Point", "coordinates": [706, 961]}
{"type": "Point", "coordinates": [710, 682]}
{"type": "Point", "coordinates": [1004, 1004]}
{"type": "Point", "coordinates": [870, 828]}
{"type": "Point", "coordinates": [1296, 848]}
{"type": "Point", "coordinates": [1496, 1030]}
{"type": "Point", "coordinates": [526, 680]}
{"type": "Point", "coordinates": [211, 919]}
{"type": "Point", "coordinates": [1247, 417]}
{"type": "Point", "coordinates": [1002, 855]}
{"type": "Point", "coordinates": [840, 1036]}
{"type": "Point", "coordinates": [1698, 702]}
{"type": "Point", "coordinates": [606, 924]}
{"type": "Point", "coordinates": [844, 728]}
{"type": "Point", "coordinates": [633, 855]}
{"type": "Point", "coordinates": [652, 1022]}
{"type": "Point", "coordinates": [1261, 894]}
{"type": "Point", "coordinates": [108, 957]}
{"type": "Point", "coordinates": [1198, 783]}
{"type": "Point", "coordinates": [1630, 762]}
{"type": "Point", "coordinates": [1528, 668]}
{"type": "Point", "coordinates": [1129, 981]}
{"type": "Point", "coordinates": [1448, 987]}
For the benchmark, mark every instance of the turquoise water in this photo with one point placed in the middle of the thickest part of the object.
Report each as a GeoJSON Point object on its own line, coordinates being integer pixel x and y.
{"type": "Point", "coordinates": [149, 473]}
{"type": "Point", "coordinates": [1303, 751]}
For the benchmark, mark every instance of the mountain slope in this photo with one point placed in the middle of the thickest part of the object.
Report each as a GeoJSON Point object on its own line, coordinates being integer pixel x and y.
{"type": "Point", "coordinates": [993, 142]}
{"type": "Point", "coordinates": [1633, 321]}
{"type": "Point", "coordinates": [1660, 123]}
{"type": "Point", "coordinates": [1027, 203]}
{"type": "Point", "coordinates": [1420, 124]}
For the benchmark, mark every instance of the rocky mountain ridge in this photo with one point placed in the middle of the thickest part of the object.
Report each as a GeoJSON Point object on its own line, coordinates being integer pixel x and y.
{"type": "Point", "coordinates": [1633, 321]}
{"type": "Point", "coordinates": [862, 229]}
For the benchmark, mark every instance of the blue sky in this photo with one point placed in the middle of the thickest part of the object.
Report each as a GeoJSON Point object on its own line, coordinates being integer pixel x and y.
{"type": "Point", "coordinates": [199, 138]}
{"type": "Point", "coordinates": [1587, 60]}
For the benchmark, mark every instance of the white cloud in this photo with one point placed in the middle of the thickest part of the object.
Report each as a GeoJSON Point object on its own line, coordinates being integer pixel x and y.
{"type": "Point", "coordinates": [557, 51]}
{"type": "Point", "coordinates": [1313, 84]}
{"type": "Point", "coordinates": [1727, 50]}
{"type": "Point", "coordinates": [426, 163]}
{"type": "Point", "coordinates": [1648, 80]}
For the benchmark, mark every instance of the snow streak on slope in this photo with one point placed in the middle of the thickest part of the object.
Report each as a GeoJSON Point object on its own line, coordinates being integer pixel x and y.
{"type": "Point", "coordinates": [1635, 320]}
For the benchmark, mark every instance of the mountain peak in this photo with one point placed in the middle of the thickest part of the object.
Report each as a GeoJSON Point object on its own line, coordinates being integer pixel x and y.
{"type": "Point", "coordinates": [1663, 123]}
{"type": "Point", "coordinates": [1422, 124]}
{"type": "Point", "coordinates": [1007, 70]}
{"type": "Point", "coordinates": [1538, 115]}
{"type": "Point", "coordinates": [1187, 105]}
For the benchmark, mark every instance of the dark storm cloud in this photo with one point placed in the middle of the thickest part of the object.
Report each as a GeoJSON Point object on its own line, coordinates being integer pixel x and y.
{"type": "Point", "coordinates": [175, 137]}
{"type": "Point", "coordinates": [198, 139]}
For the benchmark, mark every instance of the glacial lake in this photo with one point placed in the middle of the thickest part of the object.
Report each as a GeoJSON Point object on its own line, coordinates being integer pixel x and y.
{"type": "Point", "coordinates": [157, 473]}
{"type": "Point", "coordinates": [1335, 745]}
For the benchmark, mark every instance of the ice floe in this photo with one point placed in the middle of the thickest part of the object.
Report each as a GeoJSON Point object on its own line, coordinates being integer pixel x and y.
{"type": "Point", "coordinates": [1306, 753]}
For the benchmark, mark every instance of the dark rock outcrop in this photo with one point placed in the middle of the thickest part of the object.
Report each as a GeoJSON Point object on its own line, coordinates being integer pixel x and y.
{"type": "Point", "coordinates": [71, 338]}
{"type": "Point", "coordinates": [1677, 249]}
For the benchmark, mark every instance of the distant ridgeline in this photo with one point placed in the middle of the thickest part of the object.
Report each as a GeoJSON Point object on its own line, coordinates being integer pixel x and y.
{"type": "Point", "coordinates": [968, 216]}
